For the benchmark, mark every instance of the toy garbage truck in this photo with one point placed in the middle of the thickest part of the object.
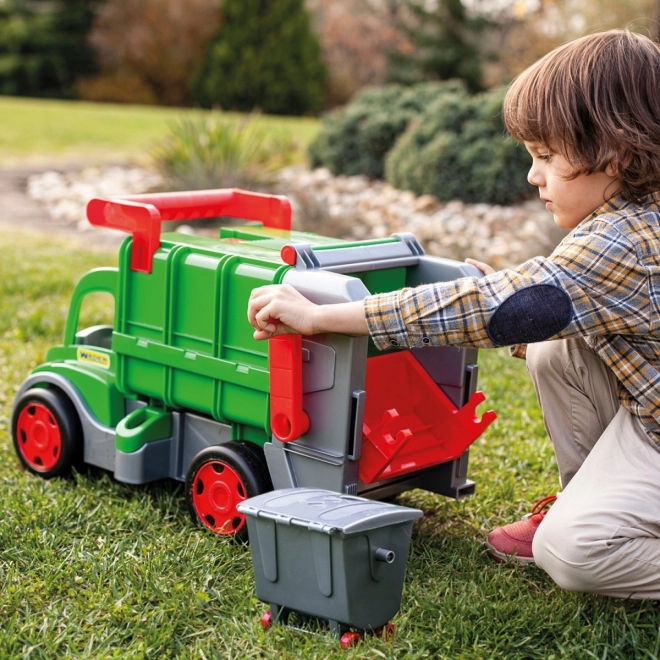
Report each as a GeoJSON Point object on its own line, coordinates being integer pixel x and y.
{"type": "Point", "coordinates": [178, 387]}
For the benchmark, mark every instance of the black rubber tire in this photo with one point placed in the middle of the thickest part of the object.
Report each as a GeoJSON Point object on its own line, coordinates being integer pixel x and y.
{"type": "Point", "coordinates": [241, 468]}
{"type": "Point", "coordinates": [67, 451]}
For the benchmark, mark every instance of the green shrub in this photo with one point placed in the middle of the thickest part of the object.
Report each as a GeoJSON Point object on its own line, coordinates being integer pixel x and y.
{"type": "Point", "coordinates": [212, 152]}
{"type": "Point", "coordinates": [458, 149]}
{"type": "Point", "coordinates": [355, 139]}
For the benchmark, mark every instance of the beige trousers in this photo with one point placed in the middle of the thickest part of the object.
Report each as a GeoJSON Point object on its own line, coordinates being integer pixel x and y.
{"type": "Point", "coordinates": [602, 535]}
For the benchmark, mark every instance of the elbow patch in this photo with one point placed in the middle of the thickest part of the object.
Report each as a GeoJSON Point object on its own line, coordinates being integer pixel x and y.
{"type": "Point", "coordinates": [530, 315]}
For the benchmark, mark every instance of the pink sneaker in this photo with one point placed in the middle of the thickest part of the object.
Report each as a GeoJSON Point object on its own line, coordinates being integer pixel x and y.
{"type": "Point", "coordinates": [514, 542]}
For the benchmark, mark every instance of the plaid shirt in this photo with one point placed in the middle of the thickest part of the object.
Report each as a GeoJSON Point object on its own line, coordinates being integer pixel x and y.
{"type": "Point", "coordinates": [606, 276]}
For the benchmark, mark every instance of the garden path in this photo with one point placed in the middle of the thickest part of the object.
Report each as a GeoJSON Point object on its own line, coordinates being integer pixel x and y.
{"type": "Point", "coordinates": [18, 211]}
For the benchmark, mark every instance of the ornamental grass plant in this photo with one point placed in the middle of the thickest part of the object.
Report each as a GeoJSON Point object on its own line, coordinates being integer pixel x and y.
{"type": "Point", "coordinates": [198, 153]}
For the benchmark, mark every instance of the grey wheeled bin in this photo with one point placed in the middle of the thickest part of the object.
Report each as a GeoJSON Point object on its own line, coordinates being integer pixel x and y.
{"type": "Point", "coordinates": [329, 556]}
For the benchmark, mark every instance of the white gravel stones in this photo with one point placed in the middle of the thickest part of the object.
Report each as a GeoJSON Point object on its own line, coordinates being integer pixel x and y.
{"type": "Point", "coordinates": [357, 208]}
{"type": "Point", "coordinates": [346, 207]}
{"type": "Point", "coordinates": [65, 195]}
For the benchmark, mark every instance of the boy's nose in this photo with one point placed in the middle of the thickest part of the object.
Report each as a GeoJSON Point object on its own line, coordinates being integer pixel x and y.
{"type": "Point", "coordinates": [535, 177]}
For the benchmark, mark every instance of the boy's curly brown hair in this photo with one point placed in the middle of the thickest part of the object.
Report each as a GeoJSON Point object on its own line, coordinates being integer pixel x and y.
{"type": "Point", "coordinates": [596, 101]}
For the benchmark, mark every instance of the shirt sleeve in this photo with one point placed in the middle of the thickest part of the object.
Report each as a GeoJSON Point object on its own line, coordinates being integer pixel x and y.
{"type": "Point", "coordinates": [593, 283]}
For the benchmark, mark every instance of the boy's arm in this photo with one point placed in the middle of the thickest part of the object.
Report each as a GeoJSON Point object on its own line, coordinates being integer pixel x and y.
{"type": "Point", "coordinates": [280, 309]}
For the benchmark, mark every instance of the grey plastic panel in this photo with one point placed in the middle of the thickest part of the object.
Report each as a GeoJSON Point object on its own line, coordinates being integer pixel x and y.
{"type": "Point", "coordinates": [96, 335]}
{"type": "Point", "coordinates": [199, 433]}
{"type": "Point", "coordinates": [279, 465]}
{"type": "Point", "coordinates": [323, 287]}
{"type": "Point", "coordinates": [360, 258]}
{"type": "Point", "coordinates": [321, 457]}
{"type": "Point", "coordinates": [318, 372]}
{"type": "Point", "coordinates": [438, 269]}
{"type": "Point", "coordinates": [449, 367]}
{"type": "Point", "coordinates": [149, 463]}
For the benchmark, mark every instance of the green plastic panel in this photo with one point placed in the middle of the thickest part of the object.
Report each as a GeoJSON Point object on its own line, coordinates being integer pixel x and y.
{"type": "Point", "coordinates": [96, 385]}
{"type": "Point", "coordinates": [182, 336]}
{"type": "Point", "coordinates": [141, 426]}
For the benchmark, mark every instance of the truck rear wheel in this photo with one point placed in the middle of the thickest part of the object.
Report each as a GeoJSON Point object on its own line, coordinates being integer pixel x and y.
{"type": "Point", "coordinates": [47, 433]}
{"type": "Point", "coordinates": [219, 478]}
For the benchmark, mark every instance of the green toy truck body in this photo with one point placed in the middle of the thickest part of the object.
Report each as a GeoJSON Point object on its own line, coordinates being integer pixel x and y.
{"type": "Point", "coordinates": [178, 387]}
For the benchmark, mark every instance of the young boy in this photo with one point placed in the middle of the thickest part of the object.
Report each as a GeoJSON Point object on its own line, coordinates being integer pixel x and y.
{"type": "Point", "coordinates": [589, 115]}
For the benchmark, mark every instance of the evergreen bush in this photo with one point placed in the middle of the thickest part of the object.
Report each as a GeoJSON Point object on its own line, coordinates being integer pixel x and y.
{"type": "Point", "coordinates": [445, 38]}
{"type": "Point", "coordinates": [43, 46]}
{"type": "Point", "coordinates": [355, 139]}
{"type": "Point", "coordinates": [264, 56]}
{"type": "Point", "coordinates": [458, 149]}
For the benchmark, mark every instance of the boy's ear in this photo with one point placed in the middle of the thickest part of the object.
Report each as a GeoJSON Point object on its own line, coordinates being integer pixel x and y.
{"type": "Point", "coordinates": [619, 163]}
{"type": "Point", "coordinates": [613, 169]}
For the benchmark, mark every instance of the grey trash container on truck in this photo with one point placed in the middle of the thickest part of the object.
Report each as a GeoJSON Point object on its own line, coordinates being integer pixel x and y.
{"type": "Point", "coordinates": [330, 556]}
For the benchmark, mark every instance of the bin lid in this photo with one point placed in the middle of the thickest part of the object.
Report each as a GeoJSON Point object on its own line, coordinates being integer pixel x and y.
{"type": "Point", "coordinates": [326, 511]}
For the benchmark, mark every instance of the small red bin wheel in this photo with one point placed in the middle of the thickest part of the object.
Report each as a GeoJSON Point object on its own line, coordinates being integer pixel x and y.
{"type": "Point", "coordinates": [386, 632]}
{"type": "Point", "coordinates": [349, 639]}
{"type": "Point", "coordinates": [266, 619]}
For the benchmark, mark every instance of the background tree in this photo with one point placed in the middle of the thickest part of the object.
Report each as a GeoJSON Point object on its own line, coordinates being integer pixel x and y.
{"type": "Point", "coordinates": [148, 48]}
{"type": "Point", "coordinates": [264, 55]}
{"type": "Point", "coordinates": [445, 39]}
{"type": "Point", "coordinates": [528, 29]}
{"type": "Point", "coordinates": [43, 46]}
{"type": "Point", "coordinates": [356, 38]}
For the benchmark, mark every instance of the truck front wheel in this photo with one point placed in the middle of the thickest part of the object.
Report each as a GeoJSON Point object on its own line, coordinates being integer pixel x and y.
{"type": "Point", "coordinates": [47, 433]}
{"type": "Point", "coordinates": [219, 478]}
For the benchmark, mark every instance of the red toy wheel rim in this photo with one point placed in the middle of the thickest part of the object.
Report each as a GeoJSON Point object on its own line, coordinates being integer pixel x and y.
{"type": "Point", "coordinates": [217, 490]}
{"type": "Point", "coordinates": [39, 437]}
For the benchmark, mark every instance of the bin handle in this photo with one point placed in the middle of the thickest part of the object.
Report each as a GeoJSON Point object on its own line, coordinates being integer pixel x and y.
{"type": "Point", "coordinates": [142, 215]}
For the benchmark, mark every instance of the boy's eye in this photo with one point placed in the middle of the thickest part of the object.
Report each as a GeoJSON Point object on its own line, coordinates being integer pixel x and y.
{"type": "Point", "coordinates": [545, 157]}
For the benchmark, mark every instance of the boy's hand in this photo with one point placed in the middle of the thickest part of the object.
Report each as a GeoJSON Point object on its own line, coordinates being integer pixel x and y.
{"type": "Point", "coordinates": [279, 309]}
{"type": "Point", "coordinates": [484, 268]}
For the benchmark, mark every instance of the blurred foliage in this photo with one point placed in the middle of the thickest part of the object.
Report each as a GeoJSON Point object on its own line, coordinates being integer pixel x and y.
{"type": "Point", "coordinates": [147, 49]}
{"type": "Point", "coordinates": [521, 32]}
{"type": "Point", "coordinates": [458, 149]}
{"type": "Point", "coordinates": [356, 38]}
{"type": "Point", "coordinates": [355, 139]}
{"type": "Point", "coordinates": [213, 152]}
{"type": "Point", "coordinates": [445, 44]}
{"type": "Point", "coordinates": [43, 46]}
{"type": "Point", "coordinates": [284, 57]}
{"type": "Point", "coordinates": [265, 56]}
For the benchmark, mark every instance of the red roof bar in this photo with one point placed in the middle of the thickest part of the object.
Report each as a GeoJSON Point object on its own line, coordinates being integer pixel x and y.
{"type": "Point", "coordinates": [142, 215]}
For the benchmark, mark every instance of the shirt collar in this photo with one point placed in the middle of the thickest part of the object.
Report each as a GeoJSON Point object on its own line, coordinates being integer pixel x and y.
{"type": "Point", "coordinates": [618, 203]}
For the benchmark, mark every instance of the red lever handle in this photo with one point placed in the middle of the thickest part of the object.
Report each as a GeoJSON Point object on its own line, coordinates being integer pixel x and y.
{"type": "Point", "coordinates": [142, 215]}
{"type": "Point", "coordinates": [288, 420]}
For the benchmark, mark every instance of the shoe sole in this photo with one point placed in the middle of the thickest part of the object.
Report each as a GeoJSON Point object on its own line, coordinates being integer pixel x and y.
{"type": "Point", "coordinates": [503, 558]}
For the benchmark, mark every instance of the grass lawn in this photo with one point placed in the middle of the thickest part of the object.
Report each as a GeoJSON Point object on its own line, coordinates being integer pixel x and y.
{"type": "Point", "coordinates": [91, 568]}
{"type": "Point", "coordinates": [37, 130]}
